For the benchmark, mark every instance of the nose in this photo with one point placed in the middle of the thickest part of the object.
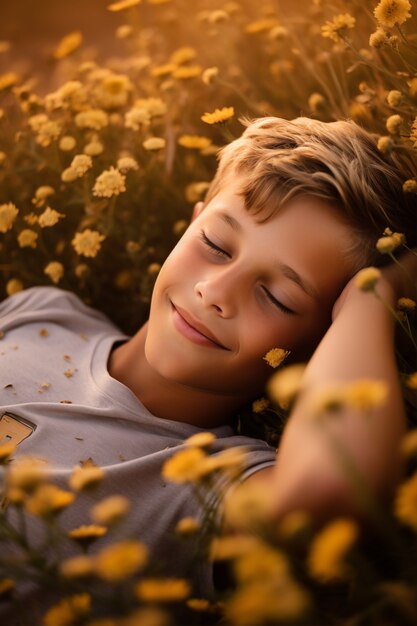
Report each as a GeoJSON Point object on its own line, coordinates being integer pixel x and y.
{"type": "Point", "coordinates": [218, 292]}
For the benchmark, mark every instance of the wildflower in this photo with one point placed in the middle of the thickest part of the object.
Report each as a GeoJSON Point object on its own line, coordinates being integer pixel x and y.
{"type": "Point", "coordinates": [187, 71]}
{"type": "Point", "coordinates": [154, 143]}
{"type": "Point", "coordinates": [48, 501]}
{"type": "Point", "coordinates": [122, 5]}
{"type": "Point", "coordinates": [413, 86]}
{"type": "Point", "coordinates": [326, 560]}
{"type": "Point", "coordinates": [276, 356]}
{"type": "Point", "coordinates": [162, 589]}
{"type": "Point", "coordinates": [410, 186]}
{"type": "Point", "coordinates": [196, 142]}
{"type": "Point", "coordinates": [394, 98]}
{"type": "Point", "coordinates": [263, 562]}
{"type": "Point", "coordinates": [47, 132]}
{"type": "Point", "coordinates": [232, 546]}
{"type": "Point", "coordinates": [26, 473]}
{"type": "Point", "coordinates": [184, 465]}
{"type": "Point", "coordinates": [111, 510]}
{"type": "Point", "coordinates": [68, 175]}
{"type": "Point", "coordinates": [55, 271]}
{"type": "Point", "coordinates": [125, 164]}
{"type": "Point", "coordinates": [68, 611]}
{"type": "Point", "coordinates": [200, 440]}
{"type": "Point", "coordinates": [77, 567]}
{"type": "Point", "coordinates": [286, 384]}
{"type": "Point", "coordinates": [385, 144]}
{"type": "Point", "coordinates": [405, 505]}
{"type": "Point", "coordinates": [67, 143]}
{"type": "Point", "coordinates": [316, 102]}
{"type": "Point", "coordinates": [366, 394]}
{"type": "Point", "coordinates": [337, 27]}
{"type": "Point", "coordinates": [209, 75]}
{"type": "Point", "coordinates": [27, 238]}
{"type": "Point", "coordinates": [71, 95]}
{"type": "Point", "coordinates": [293, 524]}
{"type": "Point", "coordinates": [80, 164]}
{"type": "Point", "coordinates": [218, 116]}
{"type": "Point", "coordinates": [137, 117]}
{"type": "Point", "coordinates": [8, 80]}
{"type": "Point", "coordinates": [378, 38]}
{"type": "Point", "coordinates": [41, 194]}
{"type": "Point", "coordinates": [155, 106]}
{"type": "Point", "coordinates": [68, 45]}
{"type": "Point", "coordinates": [262, 25]}
{"type": "Point", "coordinates": [6, 450]}
{"type": "Point", "coordinates": [409, 444]}
{"type": "Point", "coordinates": [248, 506]}
{"type": "Point", "coordinates": [367, 278]}
{"type": "Point", "coordinates": [121, 560]}
{"type": "Point", "coordinates": [260, 405]}
{"type": "Point", "coordinates": [182, 55]}
{"type": "Point", "coordinates": [198, 604]}
{"type": "Point", "coordinates": [393, 124]}
{"type": "Point", "coordinates": [406, 304]}
{"type": "Point", "coordinates": [360, 112]}
{"type": "Point", "coordinates": [8, 214]}
{"type": "Point", "coordinates": [113, 91]}
{"type": "Point", "coordinates": [187, 526]}
{"type": "Point", "coordinates": [87, 243]}
{"type": "Point", "coordinates": [110, 183]}
{"type": "Point", "coordinates": [389, 13]}
{"type": "Point", "coordinates": [195, 191]}
{"type": "Point", "coordinates": [411, 381]}
{"type": "Point", "coordinates": [163, 70]}
{"type": "Point", "coordinates": [94, 148]}
{"type": "Point", "coordinates": [49, 217]}
{"type": "Point", "coordinates": [386, 245]}
{"type": "Point", "coordinates": [84, 478]}
{"type": "Point", "coordinates": [124, 31]}
{"type": "Point", "coordinates": [95, 119]}
{"type": "Point", "coordinates": [217, 16]}
{"type": "Point", "coordinates": [13, 286]}
{"type": "Point", "coordinates": [278, 33]}
{"type": "Point", "coordinates": [85, 535]}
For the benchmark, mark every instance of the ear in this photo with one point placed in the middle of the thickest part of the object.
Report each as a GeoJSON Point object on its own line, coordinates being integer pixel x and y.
{"type": "Point", "coordinates": [198, 207]}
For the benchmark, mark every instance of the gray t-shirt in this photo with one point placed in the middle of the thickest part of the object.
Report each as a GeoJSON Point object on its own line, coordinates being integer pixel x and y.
{"type": "Point", "coordinates": [53, 372]}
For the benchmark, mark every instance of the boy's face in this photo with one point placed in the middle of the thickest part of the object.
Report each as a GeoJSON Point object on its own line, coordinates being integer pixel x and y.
{"type": "Point", "coordinates": [249, 287]}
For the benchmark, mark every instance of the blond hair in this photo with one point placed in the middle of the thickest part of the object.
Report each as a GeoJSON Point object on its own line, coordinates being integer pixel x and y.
{"type": "Point", "coordinates": [337, 162]}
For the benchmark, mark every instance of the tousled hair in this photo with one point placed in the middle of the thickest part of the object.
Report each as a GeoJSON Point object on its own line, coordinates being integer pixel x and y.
{"type": "Point", "coordinates": [337, 162]}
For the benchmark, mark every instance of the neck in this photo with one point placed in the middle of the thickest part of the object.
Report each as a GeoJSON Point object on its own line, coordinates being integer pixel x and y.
{"type": "Point", "coordinates": [166, 398]}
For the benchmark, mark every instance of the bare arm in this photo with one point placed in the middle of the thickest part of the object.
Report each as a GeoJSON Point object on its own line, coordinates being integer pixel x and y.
{"type": "Point", "coordinates": [310, 473]}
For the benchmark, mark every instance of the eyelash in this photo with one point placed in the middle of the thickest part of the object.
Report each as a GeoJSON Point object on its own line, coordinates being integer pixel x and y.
{"type": "Point", "coordinates": [222, 253]}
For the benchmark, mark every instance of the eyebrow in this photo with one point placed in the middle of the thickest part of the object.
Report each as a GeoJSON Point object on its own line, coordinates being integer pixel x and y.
{"type": "Point", "coordinates": [288, 271]}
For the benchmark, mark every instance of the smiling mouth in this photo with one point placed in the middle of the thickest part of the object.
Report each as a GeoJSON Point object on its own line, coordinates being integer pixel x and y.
{"type": "Point", "coordinates": [188, 328]}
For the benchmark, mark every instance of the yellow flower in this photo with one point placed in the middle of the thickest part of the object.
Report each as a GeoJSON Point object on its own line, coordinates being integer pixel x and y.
{"type": "Point", "coordinates": [162, 589]}
{"type": "Point", "coordinates": [49, 217]}
{"type": "Point", "coordinates": [393, 124]}
{"type": "Point", "coordinates": [316, 102]}
{"type": "Point", "coordinates": [293, 524]}
{"type": "Point", "coordinates": [391, 12]}
{"type": "Point", "coordinates": [84, 478]}
{"type": "Point", "coordinates": [87, 243]}
{"type": "Point", "coordinates": [187, 71]}
{"type": "Point", "coordinates": [184, 465]}
{"type": "Point", "coordinates": [218, 116]}
{"type": "Point", "coordinates": [77, 566]}
{"type": "Point", "coordinates": [285, 384]}
{"type": "Point", "coordinates": [410, 186]}
{"type": "Point", "coordinates": [248, 506]}
{"type": "Point", "coordinates": [86, 534]}
{"type": "Point", "coordinates": [385, 144]}
{"type": "Point", "coordinates": [55, 271]}
{"type": "Point", "coordinates": [229, 547]}
{"type": "Point", "coordinates": [188, 526]}
{"type": "Point", "coordinates": [113, 91]}
{"type": "Point", "coordinates": [67, 143]}
{"type": "Point", "coordinates": [41, 194]}
{"type": "Point", "coordinates": [200, 440]}
{"type": "Point", "coordinates": [326, 560]}
{"type": "Point", "coordinates": [124, 31]}
{"type": "Point", "coordinates": [95, 119]}
{"type": "Point", "coordinates": [110, 183]}
{"type": "Point", "coordinates": [8, 80]}
{"type": "Point", "coordinates": [367, 278]}
{"type": "Point", "coordinates": [405, 505]}
{"type": "Point", "coordinates": [155, 106]}
{"type": "Point", "coordinates": [127, 163]}
{"type": "Point", "coordinates": [411, 381]}
{"type": "Point", "coordinates": [378, 38]}
{"type": "Point", "coordinates": [394, 98]}
{"type": "Point", "coordinates": [413, 86]}
{"type": "Point", "coordinates": [262, 25]}
{"type": "Point", "coordinates": [27, 238]}
{"type": "Point", "coordinates": [387, 244]}
{"type": "Point", "coordinates": [6, 450]}
{"type": "Point", "coordinates": [194, 141]}
{"type": "Point", "coordinates": [121, 560]}
{"type": "Point", "coordinates": [13, 286]}
{"type": "Point", "coordinates": [182, 55]}
{"type": "Point", "coordinates": [406, 304]}
{"type": "Point", "coordinates": [122, 5]}
{"type": "Point", "coordinates": [198, 604]}
{"type": "Point", "coordinates": [48, 501]}
{"type": "Point", "coordinates": [217, 16]}
{"type": "Point", "coordinates": [68, 45]}
{"type": "Point", "coordinates": [196, 191]}
{"type": "Point", "coordinates": [93, 148]}
{"type": "Point", "coordinates": [8, 214]}
{"type": "Point", "coordinates": [260, 405]}
{"type": "Point", "coordinates": [366, 394]}
{"type": "Point", "coordinates": [154, 143]}
{"type": "Point", "coordinates": [409, 444]}
{"type": "Point", "coordinates": [111, 510]}
{"type": "Point", "coordinates": [209, 75]}
{"type": "Point", "coordinates": [276, 356]}
{"type": "Point", "coordinates": [68, 611]}
{"type": "Point", "coordinates": [80, 164]}
{"type": "Point", "coordinates": [137, 117]}
{"type": "Point", "coordinates": [25, 474]}
{"type": "Point", "coordinates": [337, 27]}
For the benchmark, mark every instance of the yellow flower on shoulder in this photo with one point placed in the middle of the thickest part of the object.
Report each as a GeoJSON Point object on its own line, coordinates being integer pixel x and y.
{"type": "Point", "coordinates": [336, 28]}
{"type": "Point", "coordinates": [218, 116]}
{"type": "Point", "coordinates": [68, 611]}
{"type": "Point", "coordinates": [68, 45]}
{"type": "Point", "coordinates": [162, 589]}
{"type": "Point", "coordinates": [328, 550]}
{"type": "Point", "coordinates": [8, 214]}
{"type": "Point", "coordinates": [121, 560]}
{"type": "Point", "coordinates": [87, 243]}
{"type": "Point", "coordinates": [391, 12]}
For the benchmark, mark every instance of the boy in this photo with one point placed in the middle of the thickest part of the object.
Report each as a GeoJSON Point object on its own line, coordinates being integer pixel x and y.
{"type": "Point", "coordinates": [293, 213]}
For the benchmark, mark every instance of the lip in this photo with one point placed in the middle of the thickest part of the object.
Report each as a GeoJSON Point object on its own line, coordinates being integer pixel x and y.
{"type": "Point", "coordinates": [193, 329]}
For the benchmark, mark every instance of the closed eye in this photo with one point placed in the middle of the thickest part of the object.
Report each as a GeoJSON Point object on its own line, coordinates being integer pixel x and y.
{"type": "Point", "coordinates": [216, 249]}
{"type": "Point", "coordinates": [277, 303]}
